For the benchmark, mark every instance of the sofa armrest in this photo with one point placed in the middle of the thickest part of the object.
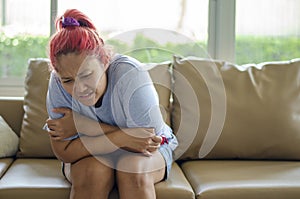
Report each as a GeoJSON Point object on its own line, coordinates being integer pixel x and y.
{"type": "Point", "coordinates": [11, 109]}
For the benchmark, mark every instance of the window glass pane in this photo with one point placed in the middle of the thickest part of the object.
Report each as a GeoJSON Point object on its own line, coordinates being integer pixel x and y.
{"type": "Point", "coordinates": [118, 22]}
{"type": "Point", "coordinates": [24, 33]}
{"type": "Point", "coordinates": [267, 30]}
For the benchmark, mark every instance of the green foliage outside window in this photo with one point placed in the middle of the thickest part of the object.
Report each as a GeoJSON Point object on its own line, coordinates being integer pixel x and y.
{"type": "Point", "coordinates": [251, 49]}
{"type": "Point", "coordinates": [149, 51]}
{"type": "Point", "coordinates": [15, 51]}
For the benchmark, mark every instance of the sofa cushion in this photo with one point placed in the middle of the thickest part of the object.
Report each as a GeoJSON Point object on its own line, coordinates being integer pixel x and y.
{"type": "Point", "coordinates": [212, 179]}
{"type": "Point", "coordinates": [34, 141]}
{"type": "Point", "coordinates": [176, 186]}
{"type": "Point", "coordinates": [34, 178]}
{"type": "Point", "coordinates": [42, 178]}
{"type": "Point", "coordinates": [228, 111]}
{"type": "Point", "coordinates": [161, 77]}
{"type": "Point", "coordinates": [4, 165]}
{"type": "Point", "coordinates": [9, 141]}
{"type": "Point", "coordinates": [11, 109]}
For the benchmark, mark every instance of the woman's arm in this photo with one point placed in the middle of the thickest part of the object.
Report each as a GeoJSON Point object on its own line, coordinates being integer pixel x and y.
{"type": "Point", "coordinates": [73, 150]}
{"type": "Point", "coordinates": [100, 138]}
{"type": "Point", "coordinates": [72, 122]}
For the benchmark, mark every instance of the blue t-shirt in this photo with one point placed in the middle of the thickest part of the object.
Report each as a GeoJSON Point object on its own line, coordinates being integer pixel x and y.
{"type": "Point", "coordinates": [130, 99]}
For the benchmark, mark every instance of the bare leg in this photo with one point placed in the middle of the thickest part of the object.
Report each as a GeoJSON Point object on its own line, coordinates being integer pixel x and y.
{"type": "Point", "coordinates": [90, 178]}
{"type": "Point", "coordinates": [137, 174]}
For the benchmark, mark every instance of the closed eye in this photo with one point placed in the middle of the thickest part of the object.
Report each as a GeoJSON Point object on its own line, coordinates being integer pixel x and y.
{"type": "Point", "coordinates": [65, 81]}
{"type": "Point", "coordinates": [85, 75]}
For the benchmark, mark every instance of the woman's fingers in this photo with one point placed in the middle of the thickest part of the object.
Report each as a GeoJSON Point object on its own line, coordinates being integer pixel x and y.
{"type": "Point", "coordinates": [153, 148]}
{"type": "Point", "coordinates": [62, 110]}
{"type": "Point", "coordinates": [54, 135]}
{"type": "Point", "coordinates": [147, 153]}
{"type": "Point", "coordinates": [157, 139]}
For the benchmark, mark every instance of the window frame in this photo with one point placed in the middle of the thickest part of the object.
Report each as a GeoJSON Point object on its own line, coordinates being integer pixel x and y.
{"type": "Point", "coordinates": [221, 30]}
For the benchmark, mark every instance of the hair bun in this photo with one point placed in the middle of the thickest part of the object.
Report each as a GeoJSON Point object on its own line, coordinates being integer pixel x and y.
{"type": "Point", "coordinates": [74, 18]}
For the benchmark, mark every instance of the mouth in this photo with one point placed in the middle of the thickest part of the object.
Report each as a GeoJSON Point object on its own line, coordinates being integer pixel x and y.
{"type": "Point", "coordinates": [86, 95]}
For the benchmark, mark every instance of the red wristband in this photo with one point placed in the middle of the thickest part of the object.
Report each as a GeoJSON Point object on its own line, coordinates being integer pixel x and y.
{"type": "Point", "coordinates": [164, 140]}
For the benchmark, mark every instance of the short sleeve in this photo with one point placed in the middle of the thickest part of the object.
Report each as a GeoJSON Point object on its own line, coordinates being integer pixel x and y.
{"type": "Point", "coordinates": [56, 97]}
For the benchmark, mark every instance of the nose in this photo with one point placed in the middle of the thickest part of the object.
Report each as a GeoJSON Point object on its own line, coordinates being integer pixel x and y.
{"type": "Point", "coordinates": [80, 86]}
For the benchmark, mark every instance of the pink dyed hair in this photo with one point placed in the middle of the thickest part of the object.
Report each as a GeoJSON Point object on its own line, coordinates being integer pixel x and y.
{"type": "Point", "coordinates": [76, 39]}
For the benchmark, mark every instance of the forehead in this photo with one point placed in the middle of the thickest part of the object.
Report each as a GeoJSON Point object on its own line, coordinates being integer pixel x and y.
{"type": "Point", "coordinates": [73, 63]}
{"type": "Point", "coordinates": [70, 62]}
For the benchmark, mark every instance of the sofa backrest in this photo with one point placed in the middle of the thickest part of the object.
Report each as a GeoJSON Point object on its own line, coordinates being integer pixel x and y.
{"type": "Point", "coordinates": [225, 111]}
{"type": "Point", "coordinates": [219, 110]}
{"type": "Point", "coordinates": [34, 141]}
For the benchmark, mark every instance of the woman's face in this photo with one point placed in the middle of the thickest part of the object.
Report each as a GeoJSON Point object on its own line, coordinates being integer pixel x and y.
{"type": "Point", "coordinates": [82, 76]}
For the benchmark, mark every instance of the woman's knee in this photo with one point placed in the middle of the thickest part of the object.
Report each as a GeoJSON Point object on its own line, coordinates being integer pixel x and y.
{"type": "Point", "coordinates": [91, 172]}
{"type": "Point", "coordinates": [136, 180]}
{"type": "Point", "coordinates": [132, 171]}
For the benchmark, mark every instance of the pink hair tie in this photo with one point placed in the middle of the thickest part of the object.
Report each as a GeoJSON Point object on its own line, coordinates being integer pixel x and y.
{"type": "Point", "coordinates": [69, 21]}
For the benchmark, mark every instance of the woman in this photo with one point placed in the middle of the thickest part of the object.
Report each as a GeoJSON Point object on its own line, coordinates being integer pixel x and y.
{"type": "Point", "coordinates": [104, 119]}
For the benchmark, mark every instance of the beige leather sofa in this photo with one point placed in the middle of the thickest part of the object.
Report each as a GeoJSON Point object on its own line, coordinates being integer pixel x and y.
{"type": "Point", "coordinates": [238, 129]}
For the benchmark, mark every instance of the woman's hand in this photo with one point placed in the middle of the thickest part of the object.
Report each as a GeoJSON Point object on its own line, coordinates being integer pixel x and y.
{"type": "Point", "coordinates": [140, 140]}
{"type": "Point", "coordinates": [63, 127]}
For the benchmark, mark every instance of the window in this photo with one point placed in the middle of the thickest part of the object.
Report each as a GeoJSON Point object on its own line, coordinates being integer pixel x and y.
{"type": "Point", "coordinates": [267, 30]}
{"type": "Point", "coordinates": [25, 30]}
{"type": "Point", "coordinates": [24, 33]}
{"type": "Point", "coordinates": [239, 31]}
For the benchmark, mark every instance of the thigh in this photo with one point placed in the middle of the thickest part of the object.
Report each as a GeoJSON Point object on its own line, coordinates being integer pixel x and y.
{"type": "Point", "coordinates": [136, 163]}
{"type": "Point", "coordinates": [89, 167]}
